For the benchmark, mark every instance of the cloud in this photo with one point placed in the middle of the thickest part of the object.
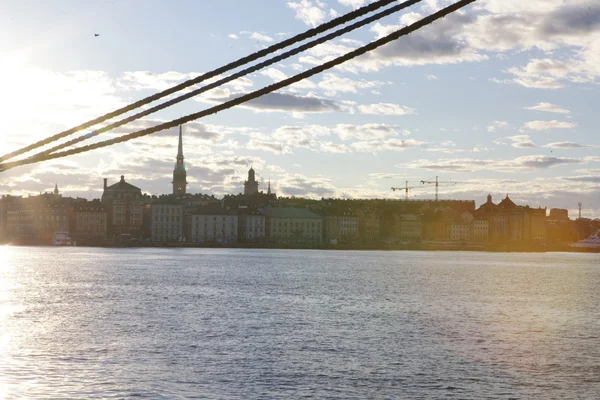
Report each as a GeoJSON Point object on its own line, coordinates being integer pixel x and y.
{"type": "Point", "coordinates": [273, 147]}
{"type": "Point", "coordinates": [375, 146]}
{"type": "Point", "coordinates": [307, 12]}
{"type": "Point", "coordinates": [333, 84]}
{"type": "Point", "coordinates": [524, 163]}
{"type": "Point", "coordinates": [283, 102]}
{"type": "Point", "coordinates": [366, 132]}
{"type": "Point", "coordinates": [385, 109]}
{"type": "Point", "coordinates": [497, 125]}
{"type": "Point", "coordinates": [233, 36]}
{"type": "Point", "coordinates": [521, 141]}
{"type": "Point", "coordinates": [548, 107]}
{"type": "Point", "coordinates": [352, 3]}
{"type": "Point", "coordinates": [431, 77]}
{"type": "Point", "coordinates": [261, 37]}
{"type": "Point", "coordinates": [547, 125]}
{"type": "Point", "coordinates": [584, 178]}
{"type": "Point", "coordinates": [568, 145]}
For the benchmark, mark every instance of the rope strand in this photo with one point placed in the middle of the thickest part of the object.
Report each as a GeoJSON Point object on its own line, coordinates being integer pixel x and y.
{"type": "Point", "coordinates": [253, 95]}
{"type": "Point", "coordinates": [232, 77]}
{"type": "Point", "coordinates": [240, 62]}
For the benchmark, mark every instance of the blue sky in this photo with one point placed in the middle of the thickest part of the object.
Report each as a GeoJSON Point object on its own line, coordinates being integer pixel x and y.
{"type": "Point", "coordinates": [502, 97]}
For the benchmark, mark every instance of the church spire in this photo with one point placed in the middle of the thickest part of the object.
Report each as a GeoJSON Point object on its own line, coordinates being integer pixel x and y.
{"type": "Point", "coordinates": [269, 187]}
{"type": "Point", "coordinates": [180, 148]}
{"type": "Point", "coordinates": [179, 173]}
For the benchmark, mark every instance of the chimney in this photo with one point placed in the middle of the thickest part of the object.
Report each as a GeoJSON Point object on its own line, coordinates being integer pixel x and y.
{"type": "Point", "coordinates": [105, 183]}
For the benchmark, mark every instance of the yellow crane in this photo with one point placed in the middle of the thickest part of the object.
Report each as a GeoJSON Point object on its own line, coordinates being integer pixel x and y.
{"type": "Point", "coordinates": [439, 183]}
{"type": "Point", "coordinates": [406, 189]}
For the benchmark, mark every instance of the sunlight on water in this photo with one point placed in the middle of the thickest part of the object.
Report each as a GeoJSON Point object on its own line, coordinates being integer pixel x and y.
{"type": "Point", "coordinates": [103, 323]}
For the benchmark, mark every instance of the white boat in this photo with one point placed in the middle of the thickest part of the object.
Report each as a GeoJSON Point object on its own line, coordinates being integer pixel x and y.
{"type": "Point", "coordinates": [593, 242]}
{"type": "Point", "coordinates": [62, 239]}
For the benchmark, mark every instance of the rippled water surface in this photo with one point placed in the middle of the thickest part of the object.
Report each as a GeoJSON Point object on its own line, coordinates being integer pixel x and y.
{"type": "Point", "coordinates": [244, 324]}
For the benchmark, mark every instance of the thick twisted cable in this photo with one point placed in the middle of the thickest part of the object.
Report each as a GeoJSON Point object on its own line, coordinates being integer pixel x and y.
{"type": "Point", "coordinates": [242, 61]}
{"type": "Point", "coordinates": [253, 95]}
{"type": "Point", "coordinates": [233, 77]}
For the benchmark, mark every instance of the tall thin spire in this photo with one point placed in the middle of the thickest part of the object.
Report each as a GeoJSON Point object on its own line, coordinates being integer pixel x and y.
{"type": "Point", "coordinates": [180, 148]}
{"type": "Point", "coordinates": [179, 173]}
{"type": "Point", "coordinates": [269, 187]}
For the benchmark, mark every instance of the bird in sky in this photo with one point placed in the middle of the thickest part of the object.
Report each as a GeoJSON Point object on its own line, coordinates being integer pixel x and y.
{"type": "Point", "coordinates": [96, 34]}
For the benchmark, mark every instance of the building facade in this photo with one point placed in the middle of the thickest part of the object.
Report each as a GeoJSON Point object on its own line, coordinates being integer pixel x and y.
{"type": "Point", "coordinates": [37, 219]}
{"type": "Point", "coordinates": [214, 225]}
{"type": "Point", "coordinates": [252, 226]}
{"type": "Point", "coordinates": [167, 220]}
{"type": "Point", "coordinates": [89, 221]}
{"type": "Point", "coordinates": [125, 207]}
{"type": "Point", "coordinates": [340, 228]}
{"type": "Point", "coordinates": [293, 226]}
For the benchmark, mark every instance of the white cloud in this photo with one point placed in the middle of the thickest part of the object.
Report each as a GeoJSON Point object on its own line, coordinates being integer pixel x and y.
{"type": "Point", "coordinates": [525, 163]}
{"type": "Point", "coordinates": [385, 109]}
{"type": "Point", "coordinates": [548, 107]}
{"type": "Point", "coordinates": [569, 145]}
{"type": "Point", "coordinates": [497, 125]}
{"type": "Point", "coordinates": [521, 141]}
{"type": "Point", "coordinates": [333, 84]}
{"type": "Point", "coordinates": [547, 125]}
{"type": "Point", "coordinates": [233, 36]}
{"type": "Point", "coordinates": [261, 37]}
{"type": "Point", "coordinates": [365, 132]}
{"type": "Point", "coordinates": [352, 3]}
{"type": "Point", "coordinates": [431, 77]}
{"type": "Point", "coordinates": [307, 12]}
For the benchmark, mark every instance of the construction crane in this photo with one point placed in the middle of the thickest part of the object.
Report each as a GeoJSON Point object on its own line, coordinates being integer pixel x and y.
{"type": "Point", "coordinates": [437, 184]}
{"type": "Point", "coordinates": [406, 189]}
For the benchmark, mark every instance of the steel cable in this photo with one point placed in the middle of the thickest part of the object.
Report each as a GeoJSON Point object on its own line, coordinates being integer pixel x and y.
{"type": "Point", "coordinates": [240, 62]}
{"type": "Point", "coordinates": [233, 77]}
{"type": "Point", "coordinates": [253, 95]}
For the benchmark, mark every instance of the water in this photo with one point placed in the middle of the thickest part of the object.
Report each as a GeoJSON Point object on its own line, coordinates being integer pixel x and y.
{"type": "Point", "coordinates": [243, 324]}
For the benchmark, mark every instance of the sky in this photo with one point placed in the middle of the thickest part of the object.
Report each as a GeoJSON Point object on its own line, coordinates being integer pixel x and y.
{"type": "Point", "coordinates": [499, 98]}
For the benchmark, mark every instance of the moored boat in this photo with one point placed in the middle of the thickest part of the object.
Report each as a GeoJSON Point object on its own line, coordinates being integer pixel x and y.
{"type": "Point", "coordinates": [593, 242]}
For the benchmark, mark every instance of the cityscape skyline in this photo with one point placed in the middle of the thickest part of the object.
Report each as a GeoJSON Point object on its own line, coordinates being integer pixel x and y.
{"type": "Point", "coordinates": [523, 123]}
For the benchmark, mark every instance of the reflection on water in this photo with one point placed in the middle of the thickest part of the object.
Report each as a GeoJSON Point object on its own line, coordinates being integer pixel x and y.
{"type": "Point", "coordinates": [101, 323]}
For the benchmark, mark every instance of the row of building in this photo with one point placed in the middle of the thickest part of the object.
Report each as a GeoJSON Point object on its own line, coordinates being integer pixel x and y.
{"type": "Point", "coordinates": [124, 212]}
{"type": "Point", "coordinates": [257, 217]}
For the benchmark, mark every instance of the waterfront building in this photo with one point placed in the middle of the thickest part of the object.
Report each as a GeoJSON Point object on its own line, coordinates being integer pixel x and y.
{"type": "Point", "coordinates": [509, 222]}
{"type": "Point", "coordinates": [497, 220]}
{"type": "Point", "coordinates": [480, 229]}
{"type": "Point", "coordinates": [369, 230]}
{"type": "Point", "coordinates": [409, 227]}
{"type": "Point", "coordinates": [214, 224]}
{"type": "Point", "coordinates": [125, 206]}
{"type": "Point", "coordinates": [458, 230]}
{"type": "Point", "coordinates": [179, 173]}
{"type": "Point", "coordinates": [341, 227]}
{"type": "Point", "coordinates": [252, 225]}
{"type": "Point", "coordinates": [167, 220]}
{"type": "Point", "coordinates": [89, 221]}
{"type": "Point", "coordinates": [37, 219]}
{"type": "Point", "coordinates": [293, 225]}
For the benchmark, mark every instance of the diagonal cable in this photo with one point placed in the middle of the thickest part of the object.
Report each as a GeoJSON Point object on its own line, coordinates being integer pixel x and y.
{"type": "Point", "coordinates": [233, 77]}
{"type": "Point", "coordinates": [253, 95]}
{"type": "Point", "coordinates": [242, 61]}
